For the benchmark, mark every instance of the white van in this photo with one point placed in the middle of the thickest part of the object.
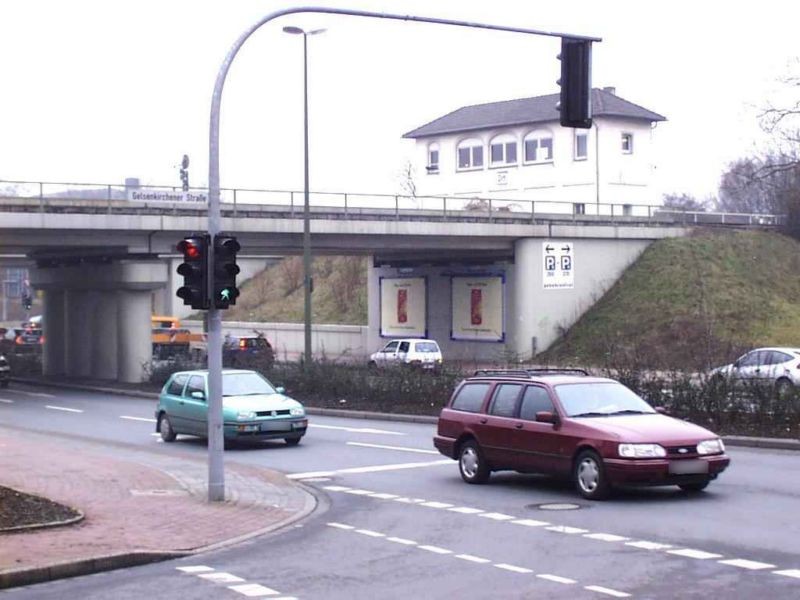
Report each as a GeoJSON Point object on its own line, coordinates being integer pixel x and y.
{"type": "Point", "coordinates": [424, 354]}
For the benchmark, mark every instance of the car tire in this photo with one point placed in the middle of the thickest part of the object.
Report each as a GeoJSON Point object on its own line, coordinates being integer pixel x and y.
{"type": "Point", "coordinates": [694, 487]}
{"type": "Point", "coordinates": [590, 476]}
{"type": "Point", "coordinates": [784, 388]}
{"type": "Point", "coordinates": [165, 428]}
{"type": "Point", "coordinates": [471, 463]}
{"type": "Point", "coordinates": [292, 441]}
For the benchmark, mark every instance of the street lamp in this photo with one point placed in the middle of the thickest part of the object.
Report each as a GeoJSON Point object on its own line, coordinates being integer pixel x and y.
{"type": "Point", "coordinates": [307, 281]}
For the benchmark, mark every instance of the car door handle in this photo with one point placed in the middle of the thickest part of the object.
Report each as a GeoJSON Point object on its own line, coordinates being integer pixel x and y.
{"type": "Point", "coordinates": [483, 421]}
{"type": "Point", "coordinates": [519, 425]}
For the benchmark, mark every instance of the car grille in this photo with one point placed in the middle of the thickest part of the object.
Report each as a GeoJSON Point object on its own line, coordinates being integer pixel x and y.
{"type": "Point", "coordinates": [682, 451]}
{"type": "Point", "coordinates": [273, 413]}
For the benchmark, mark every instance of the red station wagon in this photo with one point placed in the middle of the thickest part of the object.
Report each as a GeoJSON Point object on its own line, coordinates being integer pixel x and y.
{"type": "Point", "coordinates": [566, 423]}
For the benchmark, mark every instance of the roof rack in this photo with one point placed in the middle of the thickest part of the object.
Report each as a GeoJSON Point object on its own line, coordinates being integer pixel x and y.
{"type": "Point", "coordinates": [528, 373]}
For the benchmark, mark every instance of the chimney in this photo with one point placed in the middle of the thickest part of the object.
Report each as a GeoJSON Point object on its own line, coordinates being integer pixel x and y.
{"type": "Point", "coordinates": [610, 90]}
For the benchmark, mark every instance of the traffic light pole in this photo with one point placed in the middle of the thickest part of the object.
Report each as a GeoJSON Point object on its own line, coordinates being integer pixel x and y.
{"type": "Point", "coordinates": [216, 477]}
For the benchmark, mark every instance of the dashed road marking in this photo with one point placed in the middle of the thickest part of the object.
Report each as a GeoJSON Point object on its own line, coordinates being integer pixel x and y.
{"type": "Point", "coordinates": [471, 558]}
{"type": "Point", "coordinates": [195, 569]}
{"type": "Point", "coordinates": [747, 564]}
{"type": "Point", "coordinates": [6, 401]}
{"type": "Point", "coordinates": [644, 545]}
{"type": "Point", "coordinates": [465, 510]}
{"type": "Point", "coordinates": [398, 448]}
{"type": "Point", "coordinates": [435, 549]}
{"type": "Point", "coordinates": [253, 590]}
{"type": "Point", "coordinates": [436, 504]}
{"type": "Point", "coordinates": [138, 419]}
{"type": "Point", "coordinates": [496, 516]}
{"type": "Point", "coordinates": [556, 578]}
{"type": "Point", "coordinates": [530, 522]}
{"type": "Point", "coordinates": [402, 541]}
{"type": "Point", "coordinates": [356, 429]}
{"type": "Point", "coordinates": [608, 591]}
{"type": "Point", "coordinates": [370, 533]}
{"type": "Point", "coordinates": [385, 496]}
{"type": "Point", "coordinates": [789, 573]}
{"type": "Point", "coordinates": [221, 577]}
{"type": "Point", "coordinates": [566, 529]}
{"type": "Point", "coordinates": [63, 408]}
{"type": "Point", "coordinates": [373, 469]}
{"type": "Point", "coordinates": [605, 537]}
{"type": "Point", "coordinates": [698, 554]}
{"type": "Point", "coordinates": [340, 526]}
{"type": "Point", "coordinates": [512, 568]}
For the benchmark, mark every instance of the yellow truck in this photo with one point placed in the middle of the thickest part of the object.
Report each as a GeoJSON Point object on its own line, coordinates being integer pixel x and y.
{"type": "Point", "coordinates": [170, 339]}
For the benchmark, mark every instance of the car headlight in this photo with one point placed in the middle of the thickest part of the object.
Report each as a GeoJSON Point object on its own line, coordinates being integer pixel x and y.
{"type": "Point", "coordinates": [245, 415]}
{"type": "Point", "coordinates": [641, 451]}
{"type": "Point", "coordinates": [297, 412]}
{"type": "Point", "coordinates": [711, 447]}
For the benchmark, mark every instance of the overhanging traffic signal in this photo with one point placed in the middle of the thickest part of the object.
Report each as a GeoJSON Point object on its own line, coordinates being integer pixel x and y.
{"type": "Point", "coordinates": [575, 105]}
{"type": "Point", "coordinates": [225, 270]}
{"type": "Point", "coordinates": [194, 269]}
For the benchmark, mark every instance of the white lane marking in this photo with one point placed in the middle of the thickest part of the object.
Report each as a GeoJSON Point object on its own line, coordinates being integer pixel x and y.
{"type": "Point", "coordinates": [357, 492]}
{"type": "Point", "coordinates": [605, 537]}
{"type": "Point", "coordinates": [357, 429]}
{"type": "Point", "coordinates": [747, 564]}
{"type": "Point", "coordinates": [336, 488]}
{"type": "Point", "coordinates": [375, 469]}
{"type": "Point", "coordinates": [400, 448]}
{"type": "Point", "coordinates": [370, 533]}
{"type": "Point", "coordinates": [65, 409]}
{"type": "Point", "coordinates": [402, 541]}
{"type": "Point", "coordinates": [565, 529]}
{"type": "Point", "coordinates": [465, 510]}
{"type": "Point", "coordinates": [436, 504]}
{"type": "Point", "coordinates": [409, 500]}
{"type": "Point", "coordinates": [698, 554]}
{"type": "Point", "coordinates": [6, 401]}
{"type": "Point", "coordinates": [385, 496]}
{"type": "Point", "coordinates": [221, 577]}
{"type": "Point", "coordinates": [608, 591]}
{"type": "Point", "coordinates": [496, 516]}
{"type": "Point", "coordinates": [471, 558]}
{"type": "Point", "coordinates": [138, 419]}
{"type": "Point", "coordinates": [435, 549]}
{"type": "Point", "coordinates": [195, 569]}
{"type": "Point", "coordinates": [789, 573]}
{"type": "Point", "coordinates": [513, 568]}
{"type": "Point", "coordinates": [253, 590]}
{"type": "Point", "coordinates": [530, 522]}
{"type": "Point", "coordinates": [555, 578]}
{"type": "Point", "coordinates": [340, 526]}
{"type": "Point", "coordinates": [645, 545]}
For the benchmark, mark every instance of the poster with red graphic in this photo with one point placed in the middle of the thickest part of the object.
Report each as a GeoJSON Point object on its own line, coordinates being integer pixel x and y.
{"type": "Point", "coordinates": [477, 308]}
{"type": "Point", "coordinates": [403, 307]}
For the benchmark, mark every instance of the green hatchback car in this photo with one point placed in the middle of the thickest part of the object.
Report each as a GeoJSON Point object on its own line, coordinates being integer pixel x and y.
{"type": "Point", "coordinates": [253, 409]}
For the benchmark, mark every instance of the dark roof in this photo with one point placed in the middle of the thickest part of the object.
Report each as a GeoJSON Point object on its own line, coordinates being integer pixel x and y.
{"type": "Point", "coordinates": [523, 111]}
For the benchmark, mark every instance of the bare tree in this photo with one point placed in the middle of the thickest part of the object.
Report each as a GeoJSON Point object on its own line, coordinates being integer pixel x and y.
{"type": "Point", "coordinates": [408, 184]}
{"type": "Point", "coordinates": [686, 202]}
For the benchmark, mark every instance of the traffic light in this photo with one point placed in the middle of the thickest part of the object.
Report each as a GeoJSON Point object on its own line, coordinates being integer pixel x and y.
{"type": "Point", "coordinates": [575, 105]}
{"type": "Point", "coordinates": [185, 173]}
{"type": "Point", "coordinates": [194, 269]}
{"type": "Point", "coordinates": [225, 270]}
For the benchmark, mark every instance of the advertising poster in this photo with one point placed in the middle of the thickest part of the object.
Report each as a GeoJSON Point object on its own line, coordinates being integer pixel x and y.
{"type": "Point", "coordinates": [403, 307]}
{"type": "Point", "coordinates": [477, 308]}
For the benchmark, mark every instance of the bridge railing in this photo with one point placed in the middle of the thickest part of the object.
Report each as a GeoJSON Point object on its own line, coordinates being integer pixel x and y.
{"type": "Point", "coordinates": [122, 198]}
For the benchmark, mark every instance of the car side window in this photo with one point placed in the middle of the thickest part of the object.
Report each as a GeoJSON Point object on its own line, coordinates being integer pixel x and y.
{"type": "Point", "coordinates": [470, 397]}
{"type": "Point", "coordinates": [751, 359]}
{"type": "Point", "coordinates": [404, 346]}
{"type": "Point", "coordinates": [536, 399]}
{"type": "Point", "coordinates": [504, 403]}
{"type": "Point", "coordinates": [777, 358]}
{"type": "Point", "coordinates": [390, 347]}
{"type": "Point", "coordinates": [196, 384]}
{"type": "Point", "coordinates": [176, 385]}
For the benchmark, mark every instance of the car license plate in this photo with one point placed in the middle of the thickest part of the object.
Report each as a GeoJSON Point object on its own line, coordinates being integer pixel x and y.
{"type": "Point", "coordinates": [688, 467]}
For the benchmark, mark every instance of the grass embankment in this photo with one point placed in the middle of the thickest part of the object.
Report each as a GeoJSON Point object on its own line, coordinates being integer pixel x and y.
{"type": "Point", "coordinates": [693, 302]}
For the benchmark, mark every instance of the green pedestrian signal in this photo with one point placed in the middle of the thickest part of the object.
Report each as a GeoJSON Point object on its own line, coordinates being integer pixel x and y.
{"type": "Point", "coordinates": [225, 270]}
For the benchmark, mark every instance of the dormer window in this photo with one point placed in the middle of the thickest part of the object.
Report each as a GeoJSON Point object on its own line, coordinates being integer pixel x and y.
{"type": "Point", "coordinates": [538, 146]}
{"type": "Point", "coordinates": [433, 158]}
{"type": "Point", "coordinates": [470, 154]}
{"type": "Point", "coordinates": [503, 151]}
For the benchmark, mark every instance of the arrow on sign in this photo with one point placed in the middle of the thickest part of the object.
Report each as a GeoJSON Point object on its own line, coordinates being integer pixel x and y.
{"type": "Point", "coordinates": [565, 248]}
{"type": "Point", "coordinates": [548, 248]}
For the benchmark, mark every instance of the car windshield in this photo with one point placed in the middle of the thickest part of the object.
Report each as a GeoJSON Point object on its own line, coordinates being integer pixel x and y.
{"type": "Point", "coordinates": [426, 347]}
{"type": "Point", "coordinates": [600, 400]}
{"type": "Point", "coordinates": [245, 384]}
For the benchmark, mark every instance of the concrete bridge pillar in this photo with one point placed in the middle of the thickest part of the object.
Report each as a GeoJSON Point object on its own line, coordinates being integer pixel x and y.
{"type": "Point", "coordinates": [134, 343]}
{"type": "Point", "coordinates": [78, 311]}
{"type": "Point", "coordinates": [104, 332]}
{"type": "Point", "coordinates": [53, 357]}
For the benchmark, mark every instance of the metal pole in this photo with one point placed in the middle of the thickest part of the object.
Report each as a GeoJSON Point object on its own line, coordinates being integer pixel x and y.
{"type": "Point", "coordinates": [307, 356]}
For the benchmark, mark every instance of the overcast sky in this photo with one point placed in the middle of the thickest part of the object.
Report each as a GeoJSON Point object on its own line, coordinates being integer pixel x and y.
{"type": "Point", "coordinates": [97, 91]}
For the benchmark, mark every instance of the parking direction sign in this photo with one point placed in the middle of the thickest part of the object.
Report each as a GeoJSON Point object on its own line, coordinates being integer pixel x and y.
{"type": "Point", "coordinates": [559, 265]}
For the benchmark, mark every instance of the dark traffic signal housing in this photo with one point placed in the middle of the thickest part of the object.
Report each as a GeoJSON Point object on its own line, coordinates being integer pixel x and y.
{"type": "Point", "coordinates": [225, 270]}
{"type": "Point", "coordinates": [575, 105]}
{"type": "Point", "coordinates": [194, 269]}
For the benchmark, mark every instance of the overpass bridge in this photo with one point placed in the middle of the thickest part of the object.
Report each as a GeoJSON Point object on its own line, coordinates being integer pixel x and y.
{"type": "Point", "coordinates": [469, 272]}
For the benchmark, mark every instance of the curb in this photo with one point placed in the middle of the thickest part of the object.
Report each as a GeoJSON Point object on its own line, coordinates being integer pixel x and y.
{"type": "Point", "coordinates": [730, 440]}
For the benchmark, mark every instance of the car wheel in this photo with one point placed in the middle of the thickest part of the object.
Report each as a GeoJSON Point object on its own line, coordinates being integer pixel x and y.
{"type": "Point", "coordinates": [165, 427]}
{"type": "Point", "coordinates": [472, 464]}
{"type": "Point", "coordinates": [784, 388]}
{"type": "Point", "coordinates": [292, 441]}
{"type": "Point", "coordinates": [590, 477]}
{"type": "Point", "coordinates": [694, 487]}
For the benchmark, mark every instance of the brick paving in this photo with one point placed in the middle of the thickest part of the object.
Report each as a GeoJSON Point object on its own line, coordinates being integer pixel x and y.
{"type": "Point", "coordinates": [134, 500]}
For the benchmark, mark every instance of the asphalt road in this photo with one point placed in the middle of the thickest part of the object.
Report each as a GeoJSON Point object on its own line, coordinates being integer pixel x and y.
{"type": "Point", "coordinates": [400, 523]}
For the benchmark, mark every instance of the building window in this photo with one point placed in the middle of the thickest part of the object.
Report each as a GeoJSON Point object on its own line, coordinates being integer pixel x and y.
{"type": "Point", "coordinates": [538, 147]}
{"type": "Point", "coordinates": [470, 154]}
{"type": "Point", "coordinates": [503, 151]}
{"type": "Point", "coordinates": [627, 143]}
{"type": "Point", "coordinates": [581, 146]}
{"type": "Point", "coordinates": [580, 209]}
{"type": "Point", "coordinates": [433, 158]}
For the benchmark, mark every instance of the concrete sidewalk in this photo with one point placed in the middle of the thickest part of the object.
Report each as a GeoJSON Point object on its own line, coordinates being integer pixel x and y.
{"type": "Point", "coordinates": [139, 505]}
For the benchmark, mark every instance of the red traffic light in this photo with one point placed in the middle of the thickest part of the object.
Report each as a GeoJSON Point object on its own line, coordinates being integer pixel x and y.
{"type": "Point", "coordinates": [189, 249]}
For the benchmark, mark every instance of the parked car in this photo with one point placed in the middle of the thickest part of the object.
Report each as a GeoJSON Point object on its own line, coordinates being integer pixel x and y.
{"type": "Point", "coordinates": [424, 354]}
{"type": "Point", "coordinates": [247, 351]}
{"type": "Point", "coordinates": [252, 407]}
{"type": "Point", "coordinates": [778, 366]}
{"type": "Point", "coordinates": [593, 430]}
{"type": "Point", "coordinates": [5, 371]}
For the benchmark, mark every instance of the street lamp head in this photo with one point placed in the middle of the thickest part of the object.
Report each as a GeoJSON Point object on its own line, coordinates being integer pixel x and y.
{"type": "Point", "coordinates": [298, 31]}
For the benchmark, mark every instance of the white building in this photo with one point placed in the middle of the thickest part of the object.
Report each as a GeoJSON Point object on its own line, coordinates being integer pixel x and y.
{"type": "Point", "coordinates": [517, 151]}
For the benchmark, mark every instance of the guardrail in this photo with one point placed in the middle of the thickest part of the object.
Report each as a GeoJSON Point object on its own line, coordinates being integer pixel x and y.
{"type": "Point", "coordinates": [28, 196]}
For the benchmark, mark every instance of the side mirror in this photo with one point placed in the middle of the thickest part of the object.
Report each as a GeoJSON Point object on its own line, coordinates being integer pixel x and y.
{"type": "Point", "coordinates": [280, 390]}
{"type": "Point", "coordinates": [198, 395]}
{"type": "Point", "coordinates": [545, 416]}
